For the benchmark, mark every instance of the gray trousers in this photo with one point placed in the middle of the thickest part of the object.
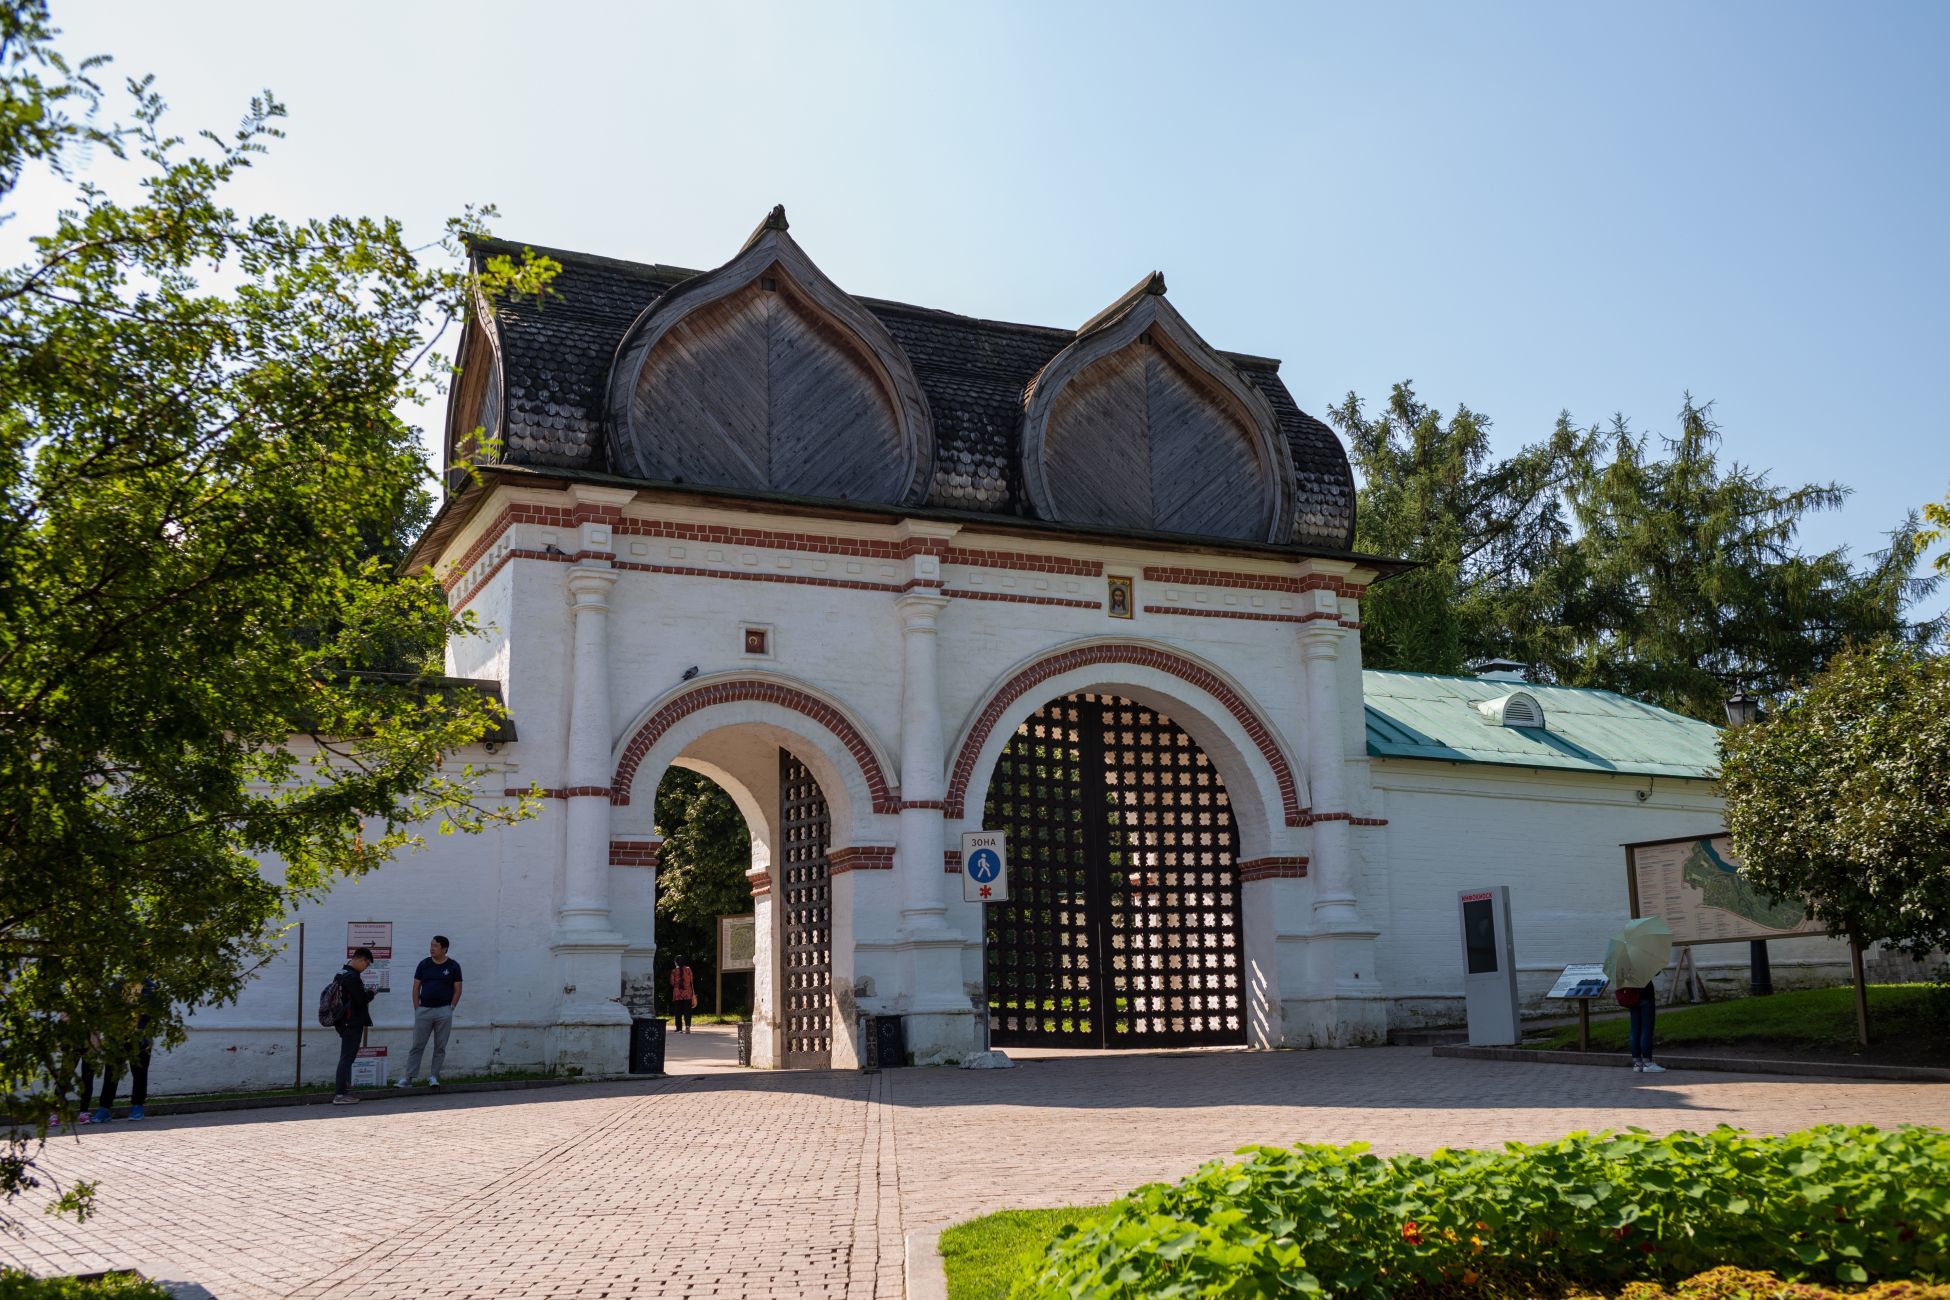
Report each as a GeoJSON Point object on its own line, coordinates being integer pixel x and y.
{"type": "Point", "coordinates": [436, 1022]}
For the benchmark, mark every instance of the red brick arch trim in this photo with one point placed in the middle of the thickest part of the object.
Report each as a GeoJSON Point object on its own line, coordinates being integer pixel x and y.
{"type": "Point", "coordinates": [1144, 657]}
{"type": "Point", "coordinates": [704, 697]}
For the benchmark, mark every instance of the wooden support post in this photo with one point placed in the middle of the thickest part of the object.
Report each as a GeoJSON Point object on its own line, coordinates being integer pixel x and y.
{"type": "Point", "coordinates": [298, 1070]}
{"type": "Point", "coordinates": [1584, 1024]}
{"type": "Point", "coordinates": [1861, 993]}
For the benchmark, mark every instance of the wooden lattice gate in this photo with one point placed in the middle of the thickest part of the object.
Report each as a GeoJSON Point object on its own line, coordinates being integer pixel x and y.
{"type": "Point", "coordinates": [1122, 928]}
{"type": "Point", "coordinates": [806, 917]}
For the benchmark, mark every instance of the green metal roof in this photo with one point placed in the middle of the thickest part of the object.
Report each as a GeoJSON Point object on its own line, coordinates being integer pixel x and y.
{"type": "Point", "coordinates": [1425, 715]}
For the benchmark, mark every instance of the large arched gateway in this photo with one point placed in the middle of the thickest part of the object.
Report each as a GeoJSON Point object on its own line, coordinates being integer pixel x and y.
{"type": "Point", "coordinates": [890, 575]}
{"type": "Point", "coordinates": [1122, 927]}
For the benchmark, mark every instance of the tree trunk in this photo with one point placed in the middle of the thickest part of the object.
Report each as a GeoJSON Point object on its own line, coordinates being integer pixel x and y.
{"type": "Point", "coordinates": [1861, 992]}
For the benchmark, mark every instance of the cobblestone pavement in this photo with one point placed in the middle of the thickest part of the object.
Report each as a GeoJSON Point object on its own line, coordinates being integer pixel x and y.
{"type": "Point", "coordinates": [723, 1182]}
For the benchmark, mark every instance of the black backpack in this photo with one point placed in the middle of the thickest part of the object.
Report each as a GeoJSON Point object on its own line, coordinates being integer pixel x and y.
{"type": "Point", "coordinates": [331, 1004]}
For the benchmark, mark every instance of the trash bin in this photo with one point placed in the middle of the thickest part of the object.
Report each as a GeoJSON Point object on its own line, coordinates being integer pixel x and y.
{"type": "Point", "coordinates": [744, 1042]}
{"type": "Point", "coordinates": [647, 1045]}
{"type": "Point", "coordinates": [886, 1043]}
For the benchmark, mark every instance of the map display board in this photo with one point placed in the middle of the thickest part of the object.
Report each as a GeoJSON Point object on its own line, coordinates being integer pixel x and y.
{"type": "Point", "coordinates": [1694, 886]}
{"type": "Point", "coordinates": [1580, 982]}
{"type": "Point", "coordinates": [737, 943]}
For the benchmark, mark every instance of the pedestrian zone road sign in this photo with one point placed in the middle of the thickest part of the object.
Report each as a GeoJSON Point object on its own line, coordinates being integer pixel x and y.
{"type": "Point", "coordinates": [985, 866]}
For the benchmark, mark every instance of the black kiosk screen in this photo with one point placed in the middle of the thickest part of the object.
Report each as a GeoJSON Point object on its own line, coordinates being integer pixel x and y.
{"type": "Point", "coordinates": [1479, 936]}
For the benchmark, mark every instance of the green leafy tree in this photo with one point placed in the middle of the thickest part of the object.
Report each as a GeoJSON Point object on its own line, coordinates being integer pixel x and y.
{"type": "Point", "coordinates": [1491, 536]}
{"type": "Point", "coordinates": [1842, 798]}
{"type": "Point", "coordinates": [202, 471]}
{"type": "Point", "coordinates": [1937, 516]}
{"type": "Point", "coordinates": [701, 874]}
{"type": "Point", "coordinates": [1690, 583]}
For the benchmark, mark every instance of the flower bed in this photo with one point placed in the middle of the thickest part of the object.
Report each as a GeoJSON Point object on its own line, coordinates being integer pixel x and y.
{"type": "Point", "coordinates": [1591, 1212]}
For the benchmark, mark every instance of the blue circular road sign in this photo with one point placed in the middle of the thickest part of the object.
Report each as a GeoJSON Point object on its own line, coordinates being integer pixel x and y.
{"type": "Point", "coordinates": [985, 865]}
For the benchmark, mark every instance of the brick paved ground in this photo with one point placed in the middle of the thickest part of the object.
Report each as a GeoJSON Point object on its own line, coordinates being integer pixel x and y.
{"type": "Point", "coordinates": [729, 1183]}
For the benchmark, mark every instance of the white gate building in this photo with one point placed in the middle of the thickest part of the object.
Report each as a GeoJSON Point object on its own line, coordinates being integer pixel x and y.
{"type": "Point", "coordinates": [886, 574]}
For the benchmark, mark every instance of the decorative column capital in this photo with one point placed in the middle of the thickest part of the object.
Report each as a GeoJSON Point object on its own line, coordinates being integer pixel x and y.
{"type": "Point", "coordinates": [1321, 639]}
{"type": "Point", "coordinates": [920, 608]}
{"type": "Point", "coordinates": [589, 587]}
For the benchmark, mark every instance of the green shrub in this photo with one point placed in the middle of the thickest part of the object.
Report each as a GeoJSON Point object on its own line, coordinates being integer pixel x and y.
{"type": "Point", "coordinates": [120, 1286]}
{"type": "Point", "coordinates": [1746, 1284]}
{"type": "Point", "coordinates": [1840, 1204]}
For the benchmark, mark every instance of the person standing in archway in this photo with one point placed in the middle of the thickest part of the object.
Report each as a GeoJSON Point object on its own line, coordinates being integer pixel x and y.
{"type": "Point", "coordinates": [683, 995]}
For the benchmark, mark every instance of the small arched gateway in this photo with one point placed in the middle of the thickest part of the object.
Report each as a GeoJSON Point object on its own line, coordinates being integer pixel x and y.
{"type": "Point", "coordinates": [888, 575]}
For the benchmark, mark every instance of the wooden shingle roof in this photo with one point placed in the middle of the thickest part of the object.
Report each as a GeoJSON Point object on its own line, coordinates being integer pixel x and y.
{"type": "Point", "coordinates": [556, 355]}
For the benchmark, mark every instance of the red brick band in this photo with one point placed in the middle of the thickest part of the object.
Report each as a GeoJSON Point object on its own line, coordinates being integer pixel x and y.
{"type": "Point", "coordinates": [761, 885]}
{"type": "Point", "coordinates": [1272, 869]}
{"type": "Point", "coordinates": [951, 862]}
{"type": "Point", "coordinates": [704, 697]}
{"type": "Point", "coordinates": [861, 857]}
{"type": "Point", "coordinates": [864, 548]}
{"type": "Point", "coordinates": [922, 803]}
{"type": "Point", "coordinates": [1141, 656]}
{"type": "Point", "coordinates": [1246, 613]}
{"type": "Point", "coordinates": [1349, 818]}
{"type": "Point", "coordinates": [1256, 581]}
{"type": "Point", "coordinates": [635, 853]}
{"type": "Point", "coordinates": [1070, 601]}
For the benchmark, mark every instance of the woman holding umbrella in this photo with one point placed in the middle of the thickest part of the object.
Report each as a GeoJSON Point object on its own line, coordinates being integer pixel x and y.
{"type": "Point", "coordinates": [1634, 955]}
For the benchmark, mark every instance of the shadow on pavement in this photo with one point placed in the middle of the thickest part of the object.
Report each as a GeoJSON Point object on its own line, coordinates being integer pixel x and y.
{"type": "Point", "coordinates": [1377, 1078]}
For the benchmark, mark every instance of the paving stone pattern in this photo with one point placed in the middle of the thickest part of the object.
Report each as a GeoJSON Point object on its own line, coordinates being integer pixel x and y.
{"type": "Point", "coordinates": [723, 1182]}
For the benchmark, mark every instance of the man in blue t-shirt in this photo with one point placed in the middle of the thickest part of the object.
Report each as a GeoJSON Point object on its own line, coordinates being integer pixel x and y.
{"type": "Point", "coordinates": [436, 992]}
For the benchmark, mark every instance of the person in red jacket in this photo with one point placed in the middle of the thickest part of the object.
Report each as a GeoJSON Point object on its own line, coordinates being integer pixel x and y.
{"type": "Point", "coordinates": [683, 995]}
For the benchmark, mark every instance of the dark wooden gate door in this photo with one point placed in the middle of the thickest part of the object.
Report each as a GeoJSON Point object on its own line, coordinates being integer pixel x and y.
{"type": "Point", "coordinates": [1122, 928]}
{"type": "Point", "coordinates": [806, 918]}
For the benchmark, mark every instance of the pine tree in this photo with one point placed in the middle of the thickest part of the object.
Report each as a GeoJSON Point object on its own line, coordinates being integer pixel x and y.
{"type": "Point", "coordinates": [1490, 537]}
{"type": "Point", "coordinates": [1691, 584]}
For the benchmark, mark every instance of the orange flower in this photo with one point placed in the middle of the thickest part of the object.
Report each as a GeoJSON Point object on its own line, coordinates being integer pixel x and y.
{"type": "Point", "coordinates": [1471, 1278]}
{"type": "Point", "coordinates": [1411, 1233]}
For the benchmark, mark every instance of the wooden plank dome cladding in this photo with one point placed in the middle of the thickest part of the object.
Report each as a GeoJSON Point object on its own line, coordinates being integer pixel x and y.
{"type": "Point", "coordinates": [763, 376]}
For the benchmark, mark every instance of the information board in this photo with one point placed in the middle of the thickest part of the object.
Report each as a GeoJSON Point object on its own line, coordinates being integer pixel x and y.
{"type": "Point", "coordinates": [737, 943]}
{"type": "Point", "coordinates": [378, 936]}
{"type": "Point", "coordinates": [1694, 885]}
{"type": "Point", "coordinates": [369, 1068]}
{"type": "Point", "coordinates": [1580, 982]}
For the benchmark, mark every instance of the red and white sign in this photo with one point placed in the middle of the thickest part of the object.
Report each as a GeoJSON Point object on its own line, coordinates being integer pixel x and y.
{"type": "Point", "coordinates": [377, 936]}
{"type": "Point", "coordinates": [369, 1068]}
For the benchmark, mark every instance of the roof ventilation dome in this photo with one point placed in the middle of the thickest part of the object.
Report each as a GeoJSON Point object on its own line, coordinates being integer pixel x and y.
{"type": "Point", "coordinates": [1517, 709]}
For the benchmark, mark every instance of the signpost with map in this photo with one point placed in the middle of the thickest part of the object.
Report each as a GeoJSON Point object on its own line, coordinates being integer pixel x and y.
{"type": "Point", "coordinates": [1694, 886]}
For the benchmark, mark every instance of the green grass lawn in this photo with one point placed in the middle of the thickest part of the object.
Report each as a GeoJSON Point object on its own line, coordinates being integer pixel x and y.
{"type": "Point", "coordinates": [1821, 1020]}
{"type": "Point", "coordinates": [985, 1257]}
{"type": "Point", "coordinates": [16, 1285]}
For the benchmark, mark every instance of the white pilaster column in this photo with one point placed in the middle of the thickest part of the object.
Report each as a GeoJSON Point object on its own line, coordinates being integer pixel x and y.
{"type": "Point", "coordinates": [1333, 868]}
{"type": "Point", "coordinates": [923, 767]}
{"type": "Point", "coordinates": [585, 884]}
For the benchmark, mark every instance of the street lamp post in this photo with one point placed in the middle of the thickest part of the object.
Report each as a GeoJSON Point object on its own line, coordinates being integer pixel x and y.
{"type": "Point", "coordinates": [1743, 709]}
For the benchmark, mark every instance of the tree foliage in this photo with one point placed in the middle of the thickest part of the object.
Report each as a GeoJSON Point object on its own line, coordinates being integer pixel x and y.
{"type": "Point", "coordinates": [1489, 536]}
{"type": "Point", "coordinates": [1936, 518]}
{"type": "Point", "coordinates": [1842, 798]}
{"type": "Point", "coordinates": [1608, 559]}
{"type": "Point", "coordinates": [1696, 586]}
{"type": "Point", "coordinates": [202, 471]}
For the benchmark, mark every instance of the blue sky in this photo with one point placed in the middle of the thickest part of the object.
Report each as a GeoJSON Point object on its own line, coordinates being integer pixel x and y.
{"type": "Point", "coordinates": [1521, 207]}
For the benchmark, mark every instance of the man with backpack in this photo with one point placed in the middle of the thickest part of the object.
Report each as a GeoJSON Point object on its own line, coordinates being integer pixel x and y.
{"type": "Point", "coordinates": [345, 1005]}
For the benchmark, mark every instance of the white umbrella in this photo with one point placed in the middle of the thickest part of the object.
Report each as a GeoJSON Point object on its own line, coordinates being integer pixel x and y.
{"type": "Point", "coordinates": [1638, 952]}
